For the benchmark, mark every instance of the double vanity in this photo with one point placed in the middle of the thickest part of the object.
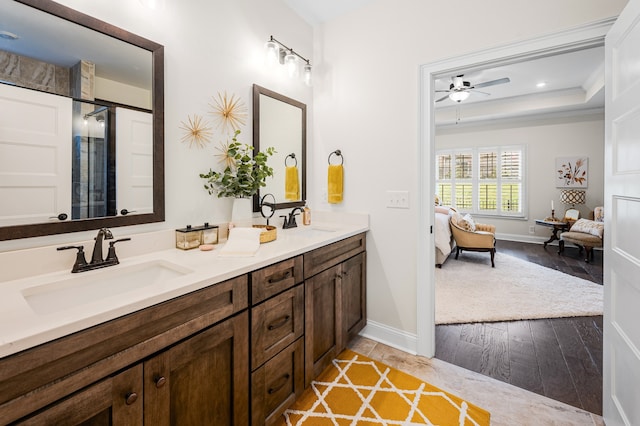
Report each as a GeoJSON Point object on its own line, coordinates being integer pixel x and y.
{"type": "Point", "coordinates": [183, 337]}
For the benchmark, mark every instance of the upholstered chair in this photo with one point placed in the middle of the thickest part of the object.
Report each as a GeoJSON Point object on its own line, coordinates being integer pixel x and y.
{"type": "Point", "coordinates": [587, 234]}
{"type": "Point", "coordinates": [473, 236]}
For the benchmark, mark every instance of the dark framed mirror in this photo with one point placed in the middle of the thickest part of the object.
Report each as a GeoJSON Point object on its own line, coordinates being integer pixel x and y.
{"type": "Point", "coordinates": [281, 122]}
{"type": "Point", "coordinates": [108, 88]}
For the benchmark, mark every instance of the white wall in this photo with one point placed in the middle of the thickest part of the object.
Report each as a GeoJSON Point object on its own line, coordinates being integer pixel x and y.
{"type": "Point", "coordinates": [544, 140]}
{"type": "Point", "coordinates": [366, 101]}
{"type": "Point", "coordinates": [210, 46]}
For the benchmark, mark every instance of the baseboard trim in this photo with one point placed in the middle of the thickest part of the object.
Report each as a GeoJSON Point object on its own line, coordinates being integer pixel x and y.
{"type": "Point", "coordinates": [407, 342]}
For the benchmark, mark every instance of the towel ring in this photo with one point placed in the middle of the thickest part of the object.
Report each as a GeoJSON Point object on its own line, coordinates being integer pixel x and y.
{"type": "Point", "coordinates": [339, 154]}
{"type": "Point", "coordinates": [292, 155]}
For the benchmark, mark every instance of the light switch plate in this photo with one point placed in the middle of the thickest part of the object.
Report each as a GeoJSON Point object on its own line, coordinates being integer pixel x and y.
{"type": "Point", "coordinates": [398, 199]}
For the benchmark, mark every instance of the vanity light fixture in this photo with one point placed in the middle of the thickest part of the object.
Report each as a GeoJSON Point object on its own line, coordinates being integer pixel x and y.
{"type": "Point", "coordinates": [276, 52]}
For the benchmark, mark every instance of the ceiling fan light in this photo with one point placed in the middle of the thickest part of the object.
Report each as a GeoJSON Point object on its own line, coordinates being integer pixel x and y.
{"type": "Point", "coordinates": [459, 96]}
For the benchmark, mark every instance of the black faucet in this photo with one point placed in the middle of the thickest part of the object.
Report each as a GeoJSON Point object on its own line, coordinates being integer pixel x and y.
{"type": "Point", "coordinates": [97, 261]}
{"type": "Point", "coordinates": [105, 234]}
{"type": "Point", "coordinates": [291, 221]}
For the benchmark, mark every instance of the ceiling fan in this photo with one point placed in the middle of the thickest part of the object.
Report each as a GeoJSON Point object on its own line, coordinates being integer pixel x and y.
{"type": "Point", "coordinates": [459, 90]}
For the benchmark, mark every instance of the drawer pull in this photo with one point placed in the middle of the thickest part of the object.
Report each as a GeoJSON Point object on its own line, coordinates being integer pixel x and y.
{"type": "Point", "coordinates": [282, 277]}
{"type": "Point", "coordinates": [284, 379]}
{"type": "Point", "coordinates": [160, 381]}
{"type": "Point", "coordinates": [130, 398]}
{"type": "Point", "coordinates": [279, 323]}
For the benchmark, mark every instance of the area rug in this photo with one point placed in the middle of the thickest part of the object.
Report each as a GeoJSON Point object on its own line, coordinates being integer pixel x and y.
{"type": "Point", "coordinates": [470, 290]}
{"type": "Point", "coordinates": [356, 390]}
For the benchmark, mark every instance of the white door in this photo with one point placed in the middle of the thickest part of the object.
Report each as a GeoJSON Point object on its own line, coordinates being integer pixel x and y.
{"type": "Point", "coordinates": [134, 156]}
{"type": "Point", "coordinates": [621, 402]}
{"type": "Point", "coordinates": [35, 156]}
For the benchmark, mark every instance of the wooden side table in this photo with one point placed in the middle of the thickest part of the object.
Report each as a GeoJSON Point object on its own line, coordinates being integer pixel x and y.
{"type": "Point", "coordinates": [556, 226]}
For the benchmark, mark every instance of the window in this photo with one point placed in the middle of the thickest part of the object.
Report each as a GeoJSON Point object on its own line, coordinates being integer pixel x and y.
{"type": "Point", "coordinates": [482, 180]}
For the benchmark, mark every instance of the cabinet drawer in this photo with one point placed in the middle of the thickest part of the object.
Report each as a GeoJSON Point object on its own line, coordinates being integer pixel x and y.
{"type": "Point", "coordinates": [275, 324]}
{"type": "Point", "coordinates": [325, 257]}
{"type": "Point", "coordinates": [275, 278]}
{"type": "Point", "coordinates": [277, 384]}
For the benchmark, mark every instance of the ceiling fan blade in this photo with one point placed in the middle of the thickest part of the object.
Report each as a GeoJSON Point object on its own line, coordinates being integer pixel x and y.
{"type": "Point", "coordinates": [442, 91]}
{"type": "Point", "coordinates": [491, 83]}
{"type": "Point", "coordinates": [442, 98]}
{"type": "Point", "coordinates": [479, 92]}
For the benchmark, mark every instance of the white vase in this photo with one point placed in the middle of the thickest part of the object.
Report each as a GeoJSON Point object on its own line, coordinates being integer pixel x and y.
{"type": "Point", "coordinates": [241, 212]}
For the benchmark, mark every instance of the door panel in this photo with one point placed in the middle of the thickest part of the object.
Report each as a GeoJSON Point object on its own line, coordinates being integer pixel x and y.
{"type": "Point", "coordinates": [35, 156]}
{"type": "Point", "coordinates": [134, 152]}
{"type": "Point", "coordinates": [621, 403]}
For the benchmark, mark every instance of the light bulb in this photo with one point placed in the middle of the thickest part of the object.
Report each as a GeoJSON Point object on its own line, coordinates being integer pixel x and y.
{"type": "Point", "coordinates": [307, 74]}
{"type": "Point", "coordinates": [459, 96]}
{"type": "Point", "coordinates": [291, 62]}
{"type": "Point", "coordinates": [272, 53]}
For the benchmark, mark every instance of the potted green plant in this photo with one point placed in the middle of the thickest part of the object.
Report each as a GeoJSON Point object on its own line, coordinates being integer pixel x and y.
{"type": "Point", "coordinates": [244, 172]}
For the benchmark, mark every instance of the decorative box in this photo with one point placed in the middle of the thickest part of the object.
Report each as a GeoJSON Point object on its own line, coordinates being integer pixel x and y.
{"type": "Point", "coordinates": [188, 238]}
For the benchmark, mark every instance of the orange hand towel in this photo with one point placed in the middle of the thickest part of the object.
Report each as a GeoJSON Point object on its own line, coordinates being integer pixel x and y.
{"type": "Point", "coordinates": [335, 184]}
{"type": "Point", "coordinates": [291, 184]}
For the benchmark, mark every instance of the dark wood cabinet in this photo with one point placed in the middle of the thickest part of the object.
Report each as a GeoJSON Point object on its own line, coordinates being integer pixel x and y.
{"type": "Point", "coordinates": [81, 378]}
{"type": "Point", "coordinates": [354, 296]}
{"type": "Point", "coordinates": [335, 301]}
{"type": "Point", "coordinates": [323, 334]}
{"type": "Point", "coordinates": [277, 346]}
{"type": "Point", "coordinates": [201, 381]}
{"type": "Point", "coordinates": [233, 353]}
{"type": "Point", "coordinates": [113, 401]}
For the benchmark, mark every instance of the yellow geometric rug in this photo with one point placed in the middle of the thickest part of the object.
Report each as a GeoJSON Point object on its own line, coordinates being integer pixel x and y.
{"type": "Point", "coordinates": [357, 390]}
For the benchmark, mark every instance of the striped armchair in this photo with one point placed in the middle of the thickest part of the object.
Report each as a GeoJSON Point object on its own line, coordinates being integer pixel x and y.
{"type": "Point", "coordinates": [587, 234]}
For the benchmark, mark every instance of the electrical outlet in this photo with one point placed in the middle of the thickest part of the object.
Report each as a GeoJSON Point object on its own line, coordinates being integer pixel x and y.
{"type": "Point", "coordinates": [532, 229]}
{"type": "Point", "coordinates": [398, 199]}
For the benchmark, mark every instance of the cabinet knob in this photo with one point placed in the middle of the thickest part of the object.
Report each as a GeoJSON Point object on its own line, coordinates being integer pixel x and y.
{"type": "Point", "coordinates": [130, 398]}
{"type": "Point", "coordinates": [283, 381]}
{"type": "Point", "coordinates": [160, 381]}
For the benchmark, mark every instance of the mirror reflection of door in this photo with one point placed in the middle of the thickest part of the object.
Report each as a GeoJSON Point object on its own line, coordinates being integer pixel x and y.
{"type": "Point", "coordinates": [35, 156]}
{"type": "Point", "coordinates": [134, 153]}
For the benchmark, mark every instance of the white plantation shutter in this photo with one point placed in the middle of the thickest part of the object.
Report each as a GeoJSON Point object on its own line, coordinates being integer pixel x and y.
{"type": "Point", "coordinates": [487, 180]}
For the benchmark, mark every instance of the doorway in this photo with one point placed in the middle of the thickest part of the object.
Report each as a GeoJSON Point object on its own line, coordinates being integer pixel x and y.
{"type": "Point", "coordinates": [581, 38]}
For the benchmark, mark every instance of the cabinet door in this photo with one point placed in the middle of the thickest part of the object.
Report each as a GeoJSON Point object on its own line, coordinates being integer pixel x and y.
{"type": "Point", "coordinates": [114, 401]}
{"type": "Point", "coordinates": [202, 381]}
{"type": "Point", "coordinates": [323, 331]}
{"type": "Point", "coordinates": [354, 297]}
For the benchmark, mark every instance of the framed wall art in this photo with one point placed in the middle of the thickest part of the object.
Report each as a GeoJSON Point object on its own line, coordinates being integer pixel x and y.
{"type": "Point", "coordinates": [572, 172]}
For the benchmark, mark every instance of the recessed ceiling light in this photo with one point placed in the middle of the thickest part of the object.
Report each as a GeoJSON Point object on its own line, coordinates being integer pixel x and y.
{"type": "Point", "coordinates": [541, 84]}
{"type": "Point", "coordinates": [8, 36]}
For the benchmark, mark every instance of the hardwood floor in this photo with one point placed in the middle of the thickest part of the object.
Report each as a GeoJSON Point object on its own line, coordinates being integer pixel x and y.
{"type": "Point", "coordinates": [559, 358]}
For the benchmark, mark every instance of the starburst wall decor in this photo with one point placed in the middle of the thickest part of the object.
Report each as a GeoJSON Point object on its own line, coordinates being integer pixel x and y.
{"type": "Point", "coordinates": [196, 131]}
{"type": "Point", "coordinates": [229, 112]}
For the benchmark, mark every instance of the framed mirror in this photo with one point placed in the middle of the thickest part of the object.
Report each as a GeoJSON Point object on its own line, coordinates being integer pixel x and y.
{"type": "Point", "coordinates": [82, 139]}
{"type": "Point", "coordinates": [281, 122]}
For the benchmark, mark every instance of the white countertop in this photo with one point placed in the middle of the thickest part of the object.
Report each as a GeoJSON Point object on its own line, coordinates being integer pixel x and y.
{"type": "Point", "coordinates": [21, 327]}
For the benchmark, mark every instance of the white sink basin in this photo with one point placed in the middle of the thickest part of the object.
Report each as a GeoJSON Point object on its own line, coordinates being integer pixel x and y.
{"type": "Point", "coordinates": [91, 286]}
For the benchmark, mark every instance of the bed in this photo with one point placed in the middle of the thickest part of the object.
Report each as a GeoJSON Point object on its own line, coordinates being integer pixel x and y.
{"type": "Point", "coordinates": [443, 238]}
